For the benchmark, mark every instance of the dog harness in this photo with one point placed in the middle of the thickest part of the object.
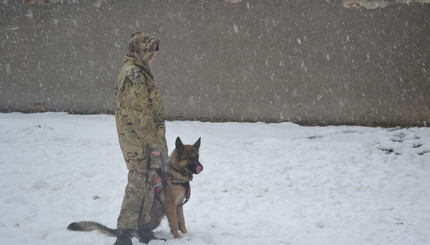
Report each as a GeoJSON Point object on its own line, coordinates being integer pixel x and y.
{"type": "Point", "coordinates": [160, 183]}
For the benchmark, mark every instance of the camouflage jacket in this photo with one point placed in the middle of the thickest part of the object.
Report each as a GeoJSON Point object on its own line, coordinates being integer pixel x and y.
{"type": "Point", "coordinates": [139, 111]}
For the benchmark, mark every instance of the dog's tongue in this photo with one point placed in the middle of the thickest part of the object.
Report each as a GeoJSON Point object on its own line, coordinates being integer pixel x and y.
{"type": "Point", "coordinates": [199, 169]}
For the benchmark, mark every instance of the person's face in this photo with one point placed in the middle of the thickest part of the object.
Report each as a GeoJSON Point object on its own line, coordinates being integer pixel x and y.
{"type": "Point", "coordinates": [152, 59]}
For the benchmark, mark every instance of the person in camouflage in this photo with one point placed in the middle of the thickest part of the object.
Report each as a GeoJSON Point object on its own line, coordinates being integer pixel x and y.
{"type": "Point", "coordinates": [139, 115]}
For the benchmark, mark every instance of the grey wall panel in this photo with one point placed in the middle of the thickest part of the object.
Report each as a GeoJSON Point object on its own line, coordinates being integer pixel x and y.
{"type": "Point", "coordinates": [311, 62]}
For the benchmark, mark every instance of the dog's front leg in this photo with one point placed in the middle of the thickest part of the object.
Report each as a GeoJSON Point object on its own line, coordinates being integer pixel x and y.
{"type": "Point", "coordinates": [181, 219]}
{"type": "Point", "coordinates": [173, 219]}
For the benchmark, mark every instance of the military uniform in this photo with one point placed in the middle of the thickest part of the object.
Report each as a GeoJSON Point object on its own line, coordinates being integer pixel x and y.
{"type": "Point", "coordinates": [139, 115]}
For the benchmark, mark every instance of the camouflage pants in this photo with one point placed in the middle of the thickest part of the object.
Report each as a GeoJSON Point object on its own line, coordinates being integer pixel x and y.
{"type": "Point", "coordinates": [139, 192]}
{"type": "Point", "coordinates": [138, 199]}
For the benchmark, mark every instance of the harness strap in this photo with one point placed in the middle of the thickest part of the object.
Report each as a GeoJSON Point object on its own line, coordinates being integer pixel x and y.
{"type": "Point", "coordinates": [179, 182]}
{"type": "Point", "coordinates": [185, 184]}
{"type": "Point", "coordinates": [160, 183]}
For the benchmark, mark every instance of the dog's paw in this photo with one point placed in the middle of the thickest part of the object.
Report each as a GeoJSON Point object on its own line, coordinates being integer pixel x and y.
{"type": "Point", "coordinates": [176, 235]}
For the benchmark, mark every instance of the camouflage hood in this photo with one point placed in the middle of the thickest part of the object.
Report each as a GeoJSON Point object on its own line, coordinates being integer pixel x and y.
{"type": "Point", "coordinates": [141, 47]}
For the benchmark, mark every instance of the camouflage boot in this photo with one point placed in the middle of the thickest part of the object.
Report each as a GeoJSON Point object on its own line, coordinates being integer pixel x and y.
{"type": "Point", "coordinates": [123, 237]}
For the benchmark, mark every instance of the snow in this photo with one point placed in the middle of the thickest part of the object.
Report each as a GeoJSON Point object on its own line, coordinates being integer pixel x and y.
{"type": "Point", "coordinates": [262, 183]}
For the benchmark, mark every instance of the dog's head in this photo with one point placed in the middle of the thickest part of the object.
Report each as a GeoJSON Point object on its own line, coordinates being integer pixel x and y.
{"type": "Point", "coordinates": [188, 156]}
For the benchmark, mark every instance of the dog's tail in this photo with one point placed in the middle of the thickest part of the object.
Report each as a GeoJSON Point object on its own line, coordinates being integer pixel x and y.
{"type": "Point", "coordinates": [92, 226]}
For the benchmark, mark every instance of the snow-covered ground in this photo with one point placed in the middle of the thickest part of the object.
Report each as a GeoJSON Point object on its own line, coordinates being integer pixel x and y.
{"type": "Point", "coordinates": [262, 183]}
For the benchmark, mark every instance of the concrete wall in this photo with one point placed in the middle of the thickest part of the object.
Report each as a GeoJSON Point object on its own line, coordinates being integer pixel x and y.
{"type": "Point", "coordinates": [312, 62]}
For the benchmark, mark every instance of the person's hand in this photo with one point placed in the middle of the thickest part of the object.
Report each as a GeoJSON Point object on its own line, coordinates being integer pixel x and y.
{"type": "Point", "coordinates": [156, 153]}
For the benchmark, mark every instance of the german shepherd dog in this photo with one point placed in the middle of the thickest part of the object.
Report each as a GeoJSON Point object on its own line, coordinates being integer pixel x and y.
{"type": "Point", "coordinates": [172, 190]}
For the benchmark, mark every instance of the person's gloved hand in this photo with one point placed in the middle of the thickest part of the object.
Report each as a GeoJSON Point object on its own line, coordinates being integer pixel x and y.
{"type": "Point", "coordinates": [156, 160]}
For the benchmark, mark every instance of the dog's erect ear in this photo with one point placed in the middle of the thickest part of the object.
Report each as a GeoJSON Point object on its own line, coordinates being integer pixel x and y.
{"type": "Point", "coordinates": [197, 144]}
{"type": "Point", "coordinates": [179, 145]}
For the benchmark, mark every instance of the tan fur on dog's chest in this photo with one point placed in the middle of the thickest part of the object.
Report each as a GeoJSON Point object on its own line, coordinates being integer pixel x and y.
{"type": "Point", "coordinates": [176, 194]}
